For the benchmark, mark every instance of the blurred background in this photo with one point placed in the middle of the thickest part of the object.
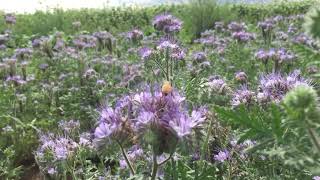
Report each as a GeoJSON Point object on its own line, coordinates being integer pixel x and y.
{"type": "Point", "coordinates": [30, 6]}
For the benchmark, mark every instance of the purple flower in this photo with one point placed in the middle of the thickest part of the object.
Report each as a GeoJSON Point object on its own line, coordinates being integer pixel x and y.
{"type": "Point", "coordinates": [69, 126]}
{"type": "Point", "coordinates": [85, 140]}
{"type": "Point", "coordinates": [222, 156]}
{"type": "Point", "coordinates": [174, 50]}
{"type": "Point", "coordinates": [3, 47]}
{"type": "Point", "coordinates": [167, 119]}
{"type": "Point", "coordinates": [199, 57]}
{"type": "Point", "coordinates": [217, 84]}
{"type": "Point", "coordinates": [52, 171]}
{"type": "Point", "coordinates": [303, 39]}
{"type": "Point", "coordinates": [23, 53]}
{"type": "Point", "coordinates": [100, 82]}
{"type": "Point", "coordinates": [85, 41]}
{"type": "Point", "coordinates": [123, 164]}
{"type": "Point", "coordinates": [242, 96]}
{"type": "Point", "coordinates": [104, 130]}
{"type": "Point", "coordinates": [167, 44]}
{"type": "Point", "coordinates": [159, 119]}
{"type": "Point", "coordinates": [145, 53]}
{"type": "Point", "coordinates": [266, 25]}
{"type": "Point", "coordinates": [60, 44]}
{"type": "Point", "coordinates": [61, 152]}
{"type": "Point", "coordinates": [198, 118]}
{"type": "Point", "coordinates": [36, 43]}
{"type": "Point", "coordinates": [167, 23]}
{"type": "Point", "coordinates": [60, 147]}
{"type": "Point", "coordinates": [316, 178]}
{"type": "Point", "coordinates": [113, 125]}
{"type": "Point", "coordinates": [280, 55]}
{"type": "Point", "coordinates": [292, 29]}
{"type": "Point", "coordinates": [282, 35]}
{"type": "Point", "coordinates": [242, 36]}
{"type": "Point", "coordinates": [134, 153]}
{"type": "Point", "coordinates": [236, 27]}
{"type": "Point", "coordinates": [241, 76]}
{"type": "Point", "coordinates": [18, 80]}
{"type": "Point", "coordinates": [10, 18]}
{"type": "Point", "coordinates": [274, 86]}
{"type": "Point", "coordinates": [178, 54]}
{"type": "Point", "coordinates": [182, 125]}
{"type": "Point", "coordinates": [135, 35]}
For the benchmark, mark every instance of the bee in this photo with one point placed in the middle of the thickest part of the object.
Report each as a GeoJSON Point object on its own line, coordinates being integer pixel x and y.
{"type": "Point", "coordinates": [166, 88]}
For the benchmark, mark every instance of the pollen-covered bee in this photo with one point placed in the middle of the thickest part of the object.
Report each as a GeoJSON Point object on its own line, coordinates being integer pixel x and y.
{"type": "Point", "coordinates": [166, 88]}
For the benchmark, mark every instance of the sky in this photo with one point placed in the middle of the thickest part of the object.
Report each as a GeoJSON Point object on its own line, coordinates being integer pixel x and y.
{"type": "Point", "coordinates": [29, 6]}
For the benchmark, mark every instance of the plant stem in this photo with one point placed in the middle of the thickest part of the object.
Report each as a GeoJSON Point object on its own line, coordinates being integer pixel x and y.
{"type": "Point", "coordinates": [164, 161]}
{"type": "Point", "coordinates": [206, 142]}
{"type": "Point", "coordinates": [173, 169]}
{"type": "Point", "coordinates": [155, 167]}
{"type": "Point", "coordinates": [167, 64]}
{"type": "Point", "coordinates": [126, 158]}
{"type": "Point", "coordinates": [314, 138]}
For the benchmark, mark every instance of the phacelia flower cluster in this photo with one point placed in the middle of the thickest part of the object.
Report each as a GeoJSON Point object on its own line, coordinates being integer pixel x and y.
{"type": "Point", "coordinates": [10, 18]}
{"type": "Point", "coordinates": [242, 36]}
{"type": "Point", "coordinates": [237, 27]}
{"type": "Point", "coordinates": [274, 86]}
{"type": "Point", "coordinates": [167, 23]}
{"type": "Point", "coordinates": [168, 47]}
{"type": "Point", "coordinates": [135, 35]}
{"type": "Point", "coordinates": [158, 118]}
{"type": "Point", "coordinates": [280, 55]}
{"type": "Point", "coordinates": [243, 96]}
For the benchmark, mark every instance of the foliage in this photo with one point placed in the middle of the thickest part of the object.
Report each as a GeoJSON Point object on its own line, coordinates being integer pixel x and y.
{"type": "Point", "coordinates": [93, 94]}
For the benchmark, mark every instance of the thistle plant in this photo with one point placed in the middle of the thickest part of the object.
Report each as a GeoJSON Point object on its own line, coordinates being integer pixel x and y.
{"type": "Point", "coordinates": [312, 25]}
{"type": "Point", "coordinates": [302, 105]}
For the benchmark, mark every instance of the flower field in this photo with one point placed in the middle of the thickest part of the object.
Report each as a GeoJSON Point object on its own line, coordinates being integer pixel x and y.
{"type": "Point", "coordinates": [193, 91]}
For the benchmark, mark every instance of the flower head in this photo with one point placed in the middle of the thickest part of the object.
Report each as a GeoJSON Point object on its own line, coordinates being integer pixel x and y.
{"type": "Point", "coordinates": [236, 27]}
{"type": "Point", "coordinates": [316, 178]}
{"type": "Point", "coordinates": [241, 77]}
{"type": "Point", "coordinates": [167, 23]}
{"type": "Point", "coordinates": [274, 86]}
{"type": "Point", "coordinates": [222, 156]}
{"type": "Point", "coordinates": [145, 53]}
{"type": "Point", "coordinates": [168, 46]}
{"type": "Point", "coordinates": [135, 35]}
{"type": "Point", "coordinates": [243, 36]}
{"type": "Point", "coordinates": [69, 126]}
{"type": "Point", "coordinates": [10, 18]}
{"type": "Point", "coordinates": [199, 57]}
{"type": "Point", "coordinates": [242, 96]}
{"type": "Point", "coordinates": [114, 126]}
